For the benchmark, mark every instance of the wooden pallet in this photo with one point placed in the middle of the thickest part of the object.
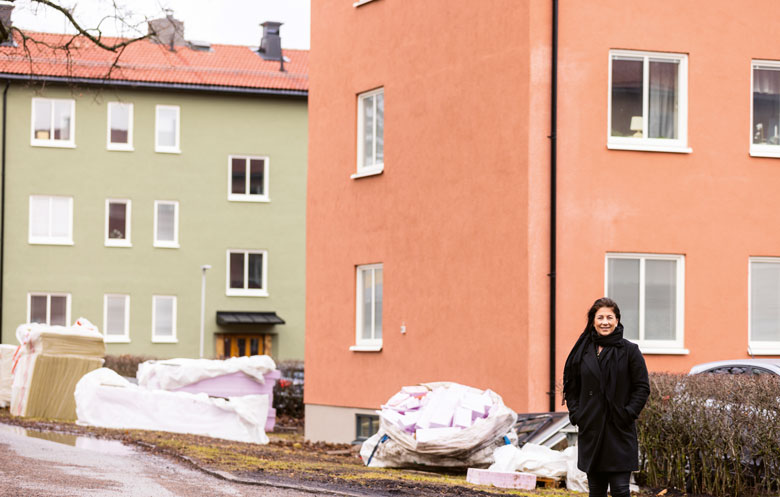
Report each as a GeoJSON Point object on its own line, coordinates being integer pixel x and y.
{"type": "Point", "coordinates": [548, 482]}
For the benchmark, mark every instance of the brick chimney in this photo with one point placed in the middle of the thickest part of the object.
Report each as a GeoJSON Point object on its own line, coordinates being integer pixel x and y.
{"type": "Point", "coordinates": [167, 31]}
{"type": "Point", "coordinates": [271, 44]}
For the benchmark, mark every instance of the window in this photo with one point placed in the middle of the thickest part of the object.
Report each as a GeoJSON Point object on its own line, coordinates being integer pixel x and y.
{"type": "Point", "coordinates": [764, 306]}
{"type": "Point", "coordinates": [117, 223]}
{"type": "Point", "coordinates": [371, 133]}
{"type": "Point", "coordinates": [369, 308]}
{"type": "Point", "coordinates": [248, 179]}
{"type": "Point", "coordinates": [247, 273]}
{"type": "Point", "coordinates": [166, 223]}
{"type": "Point", "coordinates": [649, 288]}
{"type": "Point", "coordinates": [53, 122]}
{"type": "Point", "coordinates": [164, 318]}
{"type": "Point", "coordinates": [167, 129]}
{"type": "Point", "coordinates": [48, 308]}
{"type": "Point", "coordinates": [648, 101]}
{"type": "Point", "coordinates": [366, 425]}
{"type": "Point", "coordinates": [765, 111]}
{"type": "Point", "coordinates": [51, 220]}
{"type": "Point", "coordinates": [120, 126]}
{"type": "Point", "coordinates": [116, 318]}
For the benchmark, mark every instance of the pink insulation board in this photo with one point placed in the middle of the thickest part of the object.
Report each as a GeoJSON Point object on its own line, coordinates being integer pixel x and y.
{"type": "Point", "coordinates": [524, 481]}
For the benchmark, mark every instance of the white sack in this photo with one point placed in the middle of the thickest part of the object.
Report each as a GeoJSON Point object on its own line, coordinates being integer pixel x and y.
{"type": "Point", "coordinates": [576, 480]}
{"type": "Point", "coordinates": [105, 399]}
{"type": "Point", "coordinates": [532, 458]}
{"type": "Point", "coordinates": [30, 333]}
{"type": "Point", "coordinates": [175, 373]}
{"type": "Point", "coordinates": [6, 377]}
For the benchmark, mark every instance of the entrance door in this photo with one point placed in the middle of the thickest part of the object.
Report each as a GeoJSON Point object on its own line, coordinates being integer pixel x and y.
{"type": "Point", "coordinates": [242, 345]}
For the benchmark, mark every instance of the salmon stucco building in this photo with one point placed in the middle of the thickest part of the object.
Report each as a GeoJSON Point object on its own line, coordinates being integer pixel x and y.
{"type": "Point", "coordinates": [481, 172]}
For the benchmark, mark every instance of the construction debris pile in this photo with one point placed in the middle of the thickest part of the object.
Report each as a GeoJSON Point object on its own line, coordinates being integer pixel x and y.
{"type": "Point", "coordinates": [442, 425]}
{"type": "Point", "coordinates": [48, 364]}
{"type": "Point", "coordinates": [6, 377]}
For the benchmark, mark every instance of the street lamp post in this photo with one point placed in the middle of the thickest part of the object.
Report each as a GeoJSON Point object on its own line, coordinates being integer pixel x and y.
{"type": "Point", "coordinates": [203, 270]}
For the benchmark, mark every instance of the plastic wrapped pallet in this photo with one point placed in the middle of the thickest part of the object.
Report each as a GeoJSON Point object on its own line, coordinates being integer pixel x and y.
{"type": "Point", "coordinates": [6, 377]}
{"type": "Point", "coordinates": [105, 399]}
{"type": "Point", "coordinates": [49, 363]}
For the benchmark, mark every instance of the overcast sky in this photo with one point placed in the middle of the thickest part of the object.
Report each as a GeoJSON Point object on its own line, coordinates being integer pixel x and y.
{"type": "Point", "coordinates": [234, 22]}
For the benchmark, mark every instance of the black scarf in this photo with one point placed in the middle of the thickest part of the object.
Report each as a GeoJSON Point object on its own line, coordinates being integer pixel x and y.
{"type": "Point", "coordinates": [612, 360]}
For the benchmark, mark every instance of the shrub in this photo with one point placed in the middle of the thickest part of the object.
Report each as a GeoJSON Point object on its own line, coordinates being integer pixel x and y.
{"type": "Point", "coordinates": [288, 391]}
{"type": "Point", "coordinates": [711, 434]}
{"type": "Point", "coordinates": [125, 364]}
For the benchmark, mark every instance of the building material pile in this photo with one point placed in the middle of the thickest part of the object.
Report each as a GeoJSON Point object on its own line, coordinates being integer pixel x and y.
{"type": "Point", "coordinates": [542, 462]}
{"type": "Point", "coordinates": [442, 425]}
{"type": "Point", "coordinates": [6, 377]}
{"type": "Point", "coordinates": [49, 363]}
{"type": "Point", "coordinates": [105, 399]}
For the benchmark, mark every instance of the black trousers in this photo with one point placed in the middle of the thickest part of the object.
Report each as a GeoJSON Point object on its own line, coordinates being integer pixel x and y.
{"type": "Point", "coordinates": [618, 484]}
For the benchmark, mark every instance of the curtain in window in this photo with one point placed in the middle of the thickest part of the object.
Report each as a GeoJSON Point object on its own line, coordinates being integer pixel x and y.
{"type": "Point", "coordinates": [166, 216]}
{"type": "Point", "coordinates": [39, 216]}
{"type": "Point", "coordinates": [623, 288]}
{"type": "Point", "coordinates": [38, 309]}
{"type": "Point", "coordinates": [764, 302]}
{"type": "Point", "coordinates": [163, 316]}
{"type": "Point", "coordinates": [766, 80]}
{"type": "Point", "coordinates": [766, 106]}
{"type": "Point", "coordinates": [115, 315]}
{"type": "Point", "coordinates": [663, 99]}
{"type": "Point", "coordinates": [660, 300]}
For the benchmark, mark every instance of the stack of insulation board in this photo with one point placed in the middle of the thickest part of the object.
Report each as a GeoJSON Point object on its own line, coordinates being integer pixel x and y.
{"type": "Point", "coordinates": [433, 414]}
{"type": "Point", "coordinates": [6, 377]}
{"type": "Point", "coordinates": [49, 363]}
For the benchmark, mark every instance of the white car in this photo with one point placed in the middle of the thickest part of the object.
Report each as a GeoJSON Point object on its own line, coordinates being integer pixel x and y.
{"type": "Point", "coordinates": [739, 366]}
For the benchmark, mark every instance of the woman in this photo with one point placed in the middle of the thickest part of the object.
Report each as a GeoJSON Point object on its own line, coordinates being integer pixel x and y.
{"type": "Point", "coordinates": [605, 386]}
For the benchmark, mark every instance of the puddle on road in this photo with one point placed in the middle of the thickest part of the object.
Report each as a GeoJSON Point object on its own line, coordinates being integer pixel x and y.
{"type": "Point", "coordinates": [111, 447]}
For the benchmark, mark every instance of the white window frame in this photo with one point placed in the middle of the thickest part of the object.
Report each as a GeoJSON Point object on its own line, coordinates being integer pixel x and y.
{"type": "Point", "coordinates": [760, 149]}
{"type": "Point", "coordinates": [248, 197]}
{"type": "Point", "coordinates": [246, 292]}
{"type": "Point", "coordinates": [125, 337]}
{"type": "Point", "coordinates": [49, 240]}
{"type": "Point", "coordinates": [117, 242]}
{"type": "Point", "coordinates": [167, 243]}
{"type": "Point", "coordinates": [678, 145]}
{"type": "Point", "coordinates": [175, 149]}
{"type": "Point", "coordinates": [164, 339]}
{"type": "Point", "coordinates": [363, 170]}
{"type": "Point", "coordinates": [125, 147]}
{"type": "Point", "coordinates": [51, 142]}
{"type": "Point", "coordinates": [48, 296]}
{"type": "Point", "coordinates": [763, 347]}
{"type": "Point", "coordinates": [363, 344]}
{"type": "Point", "coordinates": [670, 347]}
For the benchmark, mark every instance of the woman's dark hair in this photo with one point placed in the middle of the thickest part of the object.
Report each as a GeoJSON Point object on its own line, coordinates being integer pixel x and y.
{"type": "Point", "coordinates": [600, 303]}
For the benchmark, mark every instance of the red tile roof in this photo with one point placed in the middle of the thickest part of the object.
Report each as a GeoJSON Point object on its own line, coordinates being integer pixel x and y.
{"type": "Point", "coordinates": [224, 67]}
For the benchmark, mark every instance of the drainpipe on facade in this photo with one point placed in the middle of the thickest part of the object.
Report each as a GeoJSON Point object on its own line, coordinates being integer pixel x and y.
{"type": "Point", "coordinates": [2, 201]}
{"type": "Point", "coordinates": [553, 194]}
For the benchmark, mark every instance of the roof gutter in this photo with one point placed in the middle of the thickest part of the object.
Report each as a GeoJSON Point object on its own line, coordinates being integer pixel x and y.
{"type": "Point", "coordinates": [159, 86]}
{"type": "Point", "coordinates": [553, 194]}
{"type": "Point", "coordinates": [2, 201]}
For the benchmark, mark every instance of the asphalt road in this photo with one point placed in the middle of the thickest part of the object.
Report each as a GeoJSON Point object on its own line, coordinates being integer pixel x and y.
{"type": "Point", "coordinates": [84, 467]}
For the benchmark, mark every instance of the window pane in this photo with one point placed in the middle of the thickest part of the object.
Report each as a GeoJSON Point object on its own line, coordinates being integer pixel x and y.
{"type": "Point", "coordinates": [368, 303]}
{"type": "Point", "coordinates": [766, 106]}
{"type": "Point", "coordinates": [120, 122]}
{"type": "Point", "coordinates": [254, 346]}
{"type": "Point", "coordinates": [62, 118]}
{"type": "Point", "coordinates": [241, 347]}
{"type": "Point", "coordinates": [627, 97]}
{"type": "Point", "coordinates": [163, 316]}
{"type": "Point", "coordinates": [368, 131]}
{"type": "Point", "coordinates": [166, 216]}
{"type": "Point", "coordinates": [660, 300]}
{"type": "Point", "coordinates": [115, 315]}
{"type": "Point", "coordinates": [166, 127]}
{"type": "Point", "coordinates": [38, 309]}
{"type": "Point", "coordinates": [60, 214]}
{"type": "Point", "coordinates": [623, 288]}
{"type": "Point", "coordinates": [257, 181]}
{"type": "Point", "coordinates": [59, 309]}
{"type": "Point", "coordinates": [255, 271]}
{"type": "Point", "coordinates": [764, 301]}
{"type": "Point", "coordinates": [663, 99]}
{"type": "Point", "coordinates": [117, 217]}
{"type": "Point", "coordinates": [378, 304]}
{"type": "Point", "coordinates": [39, 217]}
{"type": "Point", "coordinates": [380, 128]}
{"type": "Point", "coordinates": [236, 270]}
{"type": "Point", "coordinates": [238, 176]}
{"type": "Point", "coordinates": [42, 119]}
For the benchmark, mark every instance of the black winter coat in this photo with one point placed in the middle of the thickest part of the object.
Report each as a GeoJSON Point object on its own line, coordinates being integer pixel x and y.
{"type": "Point", "coordinates": [608, 441]}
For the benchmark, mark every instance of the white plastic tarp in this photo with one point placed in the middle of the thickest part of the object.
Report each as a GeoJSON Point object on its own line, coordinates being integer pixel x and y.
{"type": "Point", "coordinates": [542, 461]}
{"type": "Point", "coordinates": [105, 399]}
{"type": "Point", "coordinates": [175, 373]}
{"type": "Point", "coordinates": [6, 377]}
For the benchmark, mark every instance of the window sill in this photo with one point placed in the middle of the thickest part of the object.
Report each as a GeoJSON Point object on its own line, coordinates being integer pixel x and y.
{"type": "Point", "coordinates": [764, 350]}
{"type": "Point", "coordinates": [122, 243]}
{"type": "Point", "coordinates": [362, 2]}
{"type": "Point", "coordinates": [234, 292]}
{"type": "Point", "coordinates": [52, 144]}
{"type": "Point", "coordinates": [120, 148]}
{"type": "Point", "coordinates": [366, 348]}
{"type": "Point", "coordinates": [662, 351]}
{"type": "Point", "coordinates": [50, 242]}
{"type": "Point", "coordinates": [116, 339]}
{"type": "Point", "coordinates": [168, 150]}
{"type": "Point", "coordinates": [249, 198]}
{"type": "Point", "coordinates": [766, 152]}
{"type": "Point", "coordinates": [164, 340]}
{"type": "Point", "coordinates": [368, 172]}
{"type": "Point", "coordinates": [641, 147]}
{"type": "Point", "coordinates": [166, 245]}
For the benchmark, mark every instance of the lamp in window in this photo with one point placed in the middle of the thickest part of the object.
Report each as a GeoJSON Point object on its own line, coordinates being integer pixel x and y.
{"type": "Point", "coordinates": [636, 125]}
